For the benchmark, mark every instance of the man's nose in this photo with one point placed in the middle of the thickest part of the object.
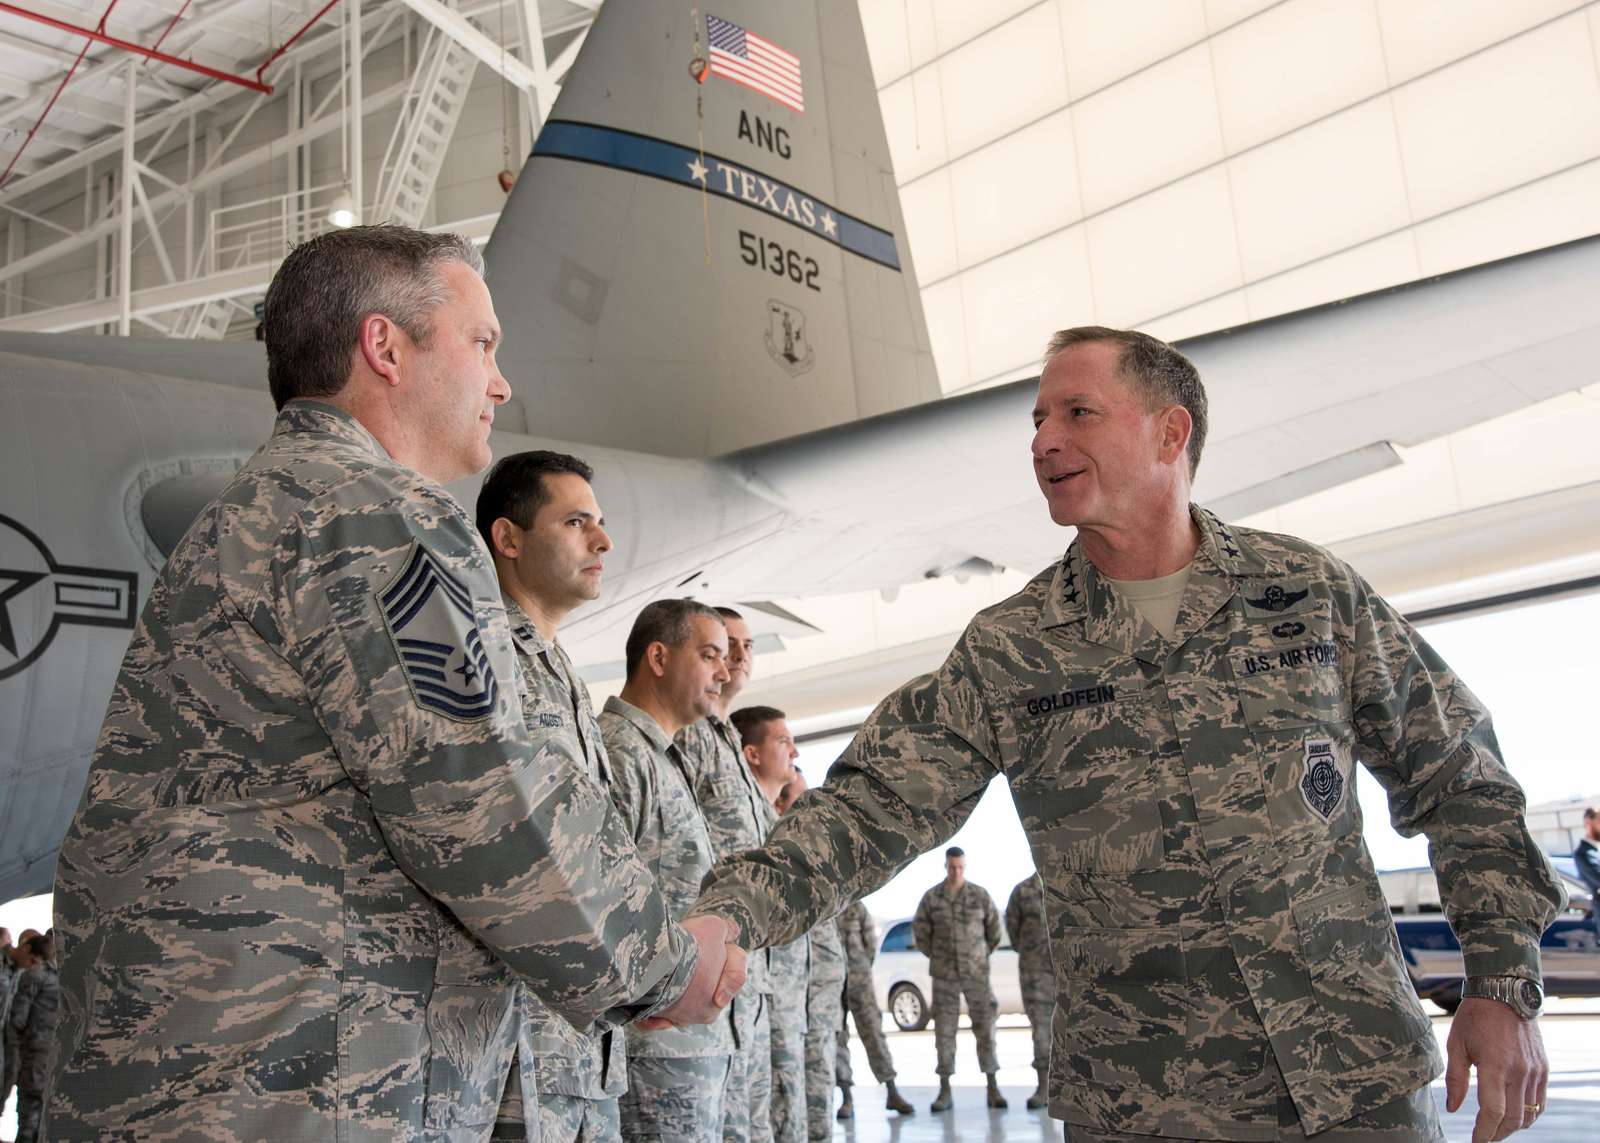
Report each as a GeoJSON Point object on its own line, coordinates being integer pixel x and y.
{"type": "Point", "coordinates": [602, 540]}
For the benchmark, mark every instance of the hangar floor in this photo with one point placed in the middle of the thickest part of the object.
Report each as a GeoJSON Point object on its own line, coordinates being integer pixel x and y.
{"type": "Point", "coordinates": [1571, 1035]}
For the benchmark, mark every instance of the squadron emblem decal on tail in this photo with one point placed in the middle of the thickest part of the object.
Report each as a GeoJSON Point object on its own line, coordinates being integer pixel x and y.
{"type": "Point", "coordinates": [786, 338]}
{"type": "Point", "coordinates": [435, 631]}
{"type": "Point", "coordinates": [39, 596]}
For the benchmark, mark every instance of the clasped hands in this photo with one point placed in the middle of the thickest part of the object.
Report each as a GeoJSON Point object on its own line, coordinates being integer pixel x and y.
{"type": "Point", "coordinates": [718, 976]}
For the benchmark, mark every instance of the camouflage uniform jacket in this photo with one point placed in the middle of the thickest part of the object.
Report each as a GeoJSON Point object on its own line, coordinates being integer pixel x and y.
{"type": "Point", "coordinates": [737, 813]}
{"type": "Point", "coordinates": [957, 931]}
{"type": "Point", "coordinates": [318, 844]}
{"type": "Point", "coordinates": [35, 1012]}
{"type": "Point", "coordinates": [569, 1062]}
{"type": "Point", "coordinates": [1189, 804]}
{"type": "Point", "coordinates": [1025, 925]}
{"type": "Point", "coordinates": [859, 934]}
{"type": "Point", "coordinates": [650, 787]}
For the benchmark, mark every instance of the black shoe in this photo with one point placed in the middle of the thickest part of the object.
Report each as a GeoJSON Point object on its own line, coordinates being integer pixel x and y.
{"type": "Point", "coordinates": [1038, 1099]}
{"type": "Point", "coordinates": [897, 1102]}
{"type": "Point", "coordinates": [996, 1100]}
{"type": "Point", "coordinates": [847, 1108]}
{"type": "Point", "coordinates": [945, 1099]}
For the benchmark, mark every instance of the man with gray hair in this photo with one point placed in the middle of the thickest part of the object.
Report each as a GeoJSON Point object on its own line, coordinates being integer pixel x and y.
{"type": "Point", "coordinates": [676, 662]}
{"type": "Point", "coordinates": [1177, 707]}
{"type": "Point", "coordinates": [318, 844]}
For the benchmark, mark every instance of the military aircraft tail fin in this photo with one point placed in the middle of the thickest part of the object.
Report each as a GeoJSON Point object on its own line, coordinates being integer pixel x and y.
{"type": "Point", "coordinates": [705, 250]}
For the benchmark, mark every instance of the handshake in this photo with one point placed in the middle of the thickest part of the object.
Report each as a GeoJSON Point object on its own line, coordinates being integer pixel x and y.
{"type": "Point", "coordinates": [718, 975]}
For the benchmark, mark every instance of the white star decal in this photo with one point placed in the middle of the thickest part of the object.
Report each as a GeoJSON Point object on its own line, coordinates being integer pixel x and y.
{"type": "Point", "coordinates": [697, 170]}
{"type": "Point", "coordinates": [829, 226]}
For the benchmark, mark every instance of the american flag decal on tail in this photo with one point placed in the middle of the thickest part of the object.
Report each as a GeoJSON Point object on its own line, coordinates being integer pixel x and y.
{"type": "Point", "coordinates": [755, 61]}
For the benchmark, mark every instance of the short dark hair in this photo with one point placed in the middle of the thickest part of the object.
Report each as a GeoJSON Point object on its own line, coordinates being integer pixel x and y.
{"type": "Point", "coordinates": [515, 488]}
{"type": "Point", "coordinates": [328, 285]}
{"type": "Point", "coordinates": [1161, 374]}
{"type": "Point", "coordinates": [729, 613]}
{"type": "Point", "coordinates": [39, 946]}
{"type": "Point", "coordinates": [954, 851]}
{"type": "Point", "coordinates": [664, 621]}
{"type": "Point", "coordinates": [1590, 813]}
{"type": "Point", "coordinates": [751, 723]}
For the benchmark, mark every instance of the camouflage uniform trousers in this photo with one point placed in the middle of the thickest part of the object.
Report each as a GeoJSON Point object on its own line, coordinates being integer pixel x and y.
{"type": "Point", "coordinates": [981, 1006]}
{"type": "Point", "coordinates": [673, 1099]}
{"type": "Point", "coordinates": [824, 1019]}
{"type": "Point", "coordinates": [861, 1004]}
{"type": "Point", "coordinates": [747, 1111]}
{"type": "Point", "coordinates": [1039, 1002]}
{"type": "Point", "coordinates": [1412, 1118]}
{"type": "Point", "coordinates": [788, 1067]}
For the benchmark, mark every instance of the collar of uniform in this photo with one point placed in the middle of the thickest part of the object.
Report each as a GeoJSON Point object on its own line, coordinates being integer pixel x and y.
{"type": "Point", "coordinates": [640, 721]}
{"type": "Point", "coordinates": [523, 631]}
{"type": "Point", "coordinates": [1078, 592]}
{"type": "Point", "coordinates": [303, 416]}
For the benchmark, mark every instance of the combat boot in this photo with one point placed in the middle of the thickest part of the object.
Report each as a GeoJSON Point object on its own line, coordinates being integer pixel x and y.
{"type": "Point", "coordinates": [1038, 1099]}
{"type": "Point", "coordinates": [847, 1108]}
{"type": "Point", "coordinates": [996, 1100]}
{"type": "Point", "coordinates": [945, 1098]}
{"type": "Point", "coordinates": [897, 1102]}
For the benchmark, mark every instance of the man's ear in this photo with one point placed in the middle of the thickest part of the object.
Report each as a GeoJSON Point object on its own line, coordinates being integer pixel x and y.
{"type": "Point", "coordinates": [1176, 428]}
{"type": "Point", "coordinates": [750, 755]}
{"type": "Point", "coordinates": [506, 541]}
{"type": "Point", "coordinates": [382, 345]}
{"type": "Point", "coordinates": [655, 657]}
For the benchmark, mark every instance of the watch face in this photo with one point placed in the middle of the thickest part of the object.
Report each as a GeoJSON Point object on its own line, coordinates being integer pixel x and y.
{"type": "Point", "coordinates": [1532, 994]}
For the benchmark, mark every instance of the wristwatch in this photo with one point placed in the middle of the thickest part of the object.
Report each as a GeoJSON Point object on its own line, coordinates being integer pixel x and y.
{"type": "Point", "coordinates": [1524, 997]}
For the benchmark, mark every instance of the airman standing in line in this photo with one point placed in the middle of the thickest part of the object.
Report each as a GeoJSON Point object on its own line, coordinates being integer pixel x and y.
{"type": "Point", "coordinates": [860, 937]}
{"type": "Point", "coordinates": [35, 1011]}
{"type": "Point", "coordinates": [769, 753]}
{"type": "Point", "coordinates": [956, 927]}
{"type": "Point", "coordinates": [676, 667]}
{"type": "Point", "coordinates": [1030, 938]}
{"type": "Point", "coordinates": [1177, 706]}
{"type": "Point", "coordinates": [739, 817]}
{"type": "Point", "coordinates": [539, 518]}
{"type": "Point", "coordinates": [318, 845]}
{"type": "Point", "coordinates": [824, 998]}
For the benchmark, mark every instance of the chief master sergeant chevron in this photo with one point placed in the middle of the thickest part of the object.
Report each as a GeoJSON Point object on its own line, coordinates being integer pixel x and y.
{"type": "Point", "coordinates": [318, 844]}
{"type": "Point", "coordinates": [1177, 707]}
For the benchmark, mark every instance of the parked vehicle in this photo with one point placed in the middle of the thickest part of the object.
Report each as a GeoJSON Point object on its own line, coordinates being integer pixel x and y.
{"type": "Point", "coordinates": [905, 989]}
{"type": "Point", "coordinates": [1568, 950]}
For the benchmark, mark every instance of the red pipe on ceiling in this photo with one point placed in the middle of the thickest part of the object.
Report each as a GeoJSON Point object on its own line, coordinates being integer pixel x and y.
{"type": "Point", "coordinates": [60, 87]}
{"type": "Point", "coordinates": [137, 49]}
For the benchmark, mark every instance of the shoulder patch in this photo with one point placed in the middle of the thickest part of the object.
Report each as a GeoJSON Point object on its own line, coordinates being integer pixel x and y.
{"type": "Point", "coordinates": [430, 617]}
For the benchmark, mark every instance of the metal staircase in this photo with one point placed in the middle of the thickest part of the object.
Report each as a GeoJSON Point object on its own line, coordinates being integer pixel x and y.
{"type": "Point", "coordinates": [421, 136]}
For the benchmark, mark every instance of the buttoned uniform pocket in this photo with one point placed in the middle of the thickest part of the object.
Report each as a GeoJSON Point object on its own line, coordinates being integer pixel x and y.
{"type": "Point", "coordinates": [1122, 1017]}
{"type": "Point", "coordinates": [1087, 789]}
{"type": "Point", "coordinates": [1358, 974]}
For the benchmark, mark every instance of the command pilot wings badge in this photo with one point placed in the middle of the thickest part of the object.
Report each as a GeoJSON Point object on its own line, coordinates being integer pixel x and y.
{"type": "Point", "coordinates": [435, 631]}
{"type": "Point", "coordinates": [1276, 599]}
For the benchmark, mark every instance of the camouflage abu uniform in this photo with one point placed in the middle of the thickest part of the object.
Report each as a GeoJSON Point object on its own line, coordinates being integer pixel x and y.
{"type": "Point", "coordinates": [860, 938]}
{"type": "Point", "coordinates": [676, 1076]}
{"type": "Point", "coordinates": [1025, 924]}
{"type": "Point", "coordinates": [34, 1014]}
{"type": "Point", "coordinates": [578, 1076]}
{"type": "Point", "coordinates": [304, 871]}
{"type": "Point", "coordinates": [1213, 911]}
{"type": "Point", "coordinates": [791, 970]}
{"type": "Point", "coordinates": [739, 817]}
{"type": "Point", "coordinates": [824, 1017]}
{"type": "Point", "coordinates": [957, 932]}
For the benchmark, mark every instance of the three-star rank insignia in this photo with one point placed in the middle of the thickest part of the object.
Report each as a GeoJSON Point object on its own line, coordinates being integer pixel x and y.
{"type": "Point", "coordinates": [1321, 783]}
{"type": "Point", "coordinates": [1276, 599]}
{"type": "Point", "coordinates": [431, 619]}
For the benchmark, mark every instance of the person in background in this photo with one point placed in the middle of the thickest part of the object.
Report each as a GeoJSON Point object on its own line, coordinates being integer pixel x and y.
{"type": "Point", "coordinates": [860, 937]}
{"type": "Point", "coordinates": [1030, 938]}
{"type": "Point", "coordinates": [1586, 855]}
{"type": "Point", "coordinates": [34, 1014]}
